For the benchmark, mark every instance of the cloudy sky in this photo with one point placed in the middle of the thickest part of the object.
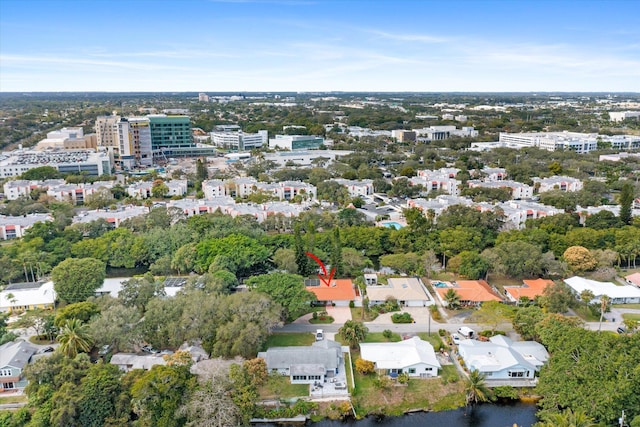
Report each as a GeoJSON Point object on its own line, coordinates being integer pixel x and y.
{"type": "Point", "coordinates": [319, 45]}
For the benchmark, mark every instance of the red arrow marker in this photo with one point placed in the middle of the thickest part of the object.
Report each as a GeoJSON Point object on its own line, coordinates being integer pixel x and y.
{"type": "Point", "coordinates": [326, 280]}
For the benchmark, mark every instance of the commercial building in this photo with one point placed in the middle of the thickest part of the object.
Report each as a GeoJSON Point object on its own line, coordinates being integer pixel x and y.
{"type": "Point", "coordinates": [15, 163]}
{"type": "Point", "coordinates": [439, 133]}
{"type": "Point", "coordinates": [618, 116]}
{"type": "Point", "coordinates": [295, 142]}
{"type": "Point", "coordinates": [68, 139]}
{"type": "Point", "coordinates": [170, 132]}
{"type": "Point", "coordinates": [573, 141]}
{"type": "Point", "coordinates": [403, 135]}
{"type": "Point", "coordinates": [134, 143]}
{"type": "Point", "coordinates": [319, 158]}
{"type": "Point", "coordinates": [239, 141]}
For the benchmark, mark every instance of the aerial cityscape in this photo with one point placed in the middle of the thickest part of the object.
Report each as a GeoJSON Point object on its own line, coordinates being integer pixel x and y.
{"type": "Point", "coordinates": [319, 213]}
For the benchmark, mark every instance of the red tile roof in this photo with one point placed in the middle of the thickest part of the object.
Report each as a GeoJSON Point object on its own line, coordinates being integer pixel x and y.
{"type": "Point", "coordinates": [340, 290]}
{"type": "Point", "coordinates": [471, 290]}
{"type": "Point", "coordinates": [531, 288]}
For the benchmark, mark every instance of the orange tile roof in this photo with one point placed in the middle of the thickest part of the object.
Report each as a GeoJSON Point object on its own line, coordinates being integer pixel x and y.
{"type": "Point", "coordinates": [531, 288]}
{"type": "Point", "coordinates": [340, 290]}
{"type": "Point", "coordinates": [471, 290]}
{"type": "Point", "coordinates": [634, 278]}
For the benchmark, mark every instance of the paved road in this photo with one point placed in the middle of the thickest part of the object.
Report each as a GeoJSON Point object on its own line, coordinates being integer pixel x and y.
{"type": "Point", "coordinates": [422, 327]}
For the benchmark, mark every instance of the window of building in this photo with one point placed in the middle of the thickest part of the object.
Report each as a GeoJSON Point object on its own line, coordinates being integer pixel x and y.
{"type": "Point", "coordinates": [5, 372]}
{"type": "Point", "coordinates": [412, 370]}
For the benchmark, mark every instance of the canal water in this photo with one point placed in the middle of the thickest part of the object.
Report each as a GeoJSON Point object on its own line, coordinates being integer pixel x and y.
{"type": "Point", "coordinates": [490, 415]}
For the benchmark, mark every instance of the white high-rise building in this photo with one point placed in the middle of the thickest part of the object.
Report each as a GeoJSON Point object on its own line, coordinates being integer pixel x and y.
{"type": "Point", "coordinates": [134, 142]}
{"type": "Point", "coordinates": [240, 141]}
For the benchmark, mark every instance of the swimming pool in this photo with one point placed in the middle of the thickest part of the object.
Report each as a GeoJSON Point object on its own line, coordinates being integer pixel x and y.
{"type": "Point", "coordinates": [439, 284]}
{"type": "Point", "coordinates": [392, 224]}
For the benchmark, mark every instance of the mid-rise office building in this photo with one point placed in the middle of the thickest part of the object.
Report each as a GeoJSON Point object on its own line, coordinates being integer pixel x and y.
{"type": "Point", "coordinates": [170, 132]}
{"type": "Point", "coordinates": [295, 142]}
{"type": "Point", "coordinates": [239, 141]}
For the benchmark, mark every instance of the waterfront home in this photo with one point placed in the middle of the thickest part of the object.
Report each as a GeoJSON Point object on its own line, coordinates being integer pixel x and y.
{"type": "Point", "coordinates": [500, 358]}
{"type": "Point", "coordinates": [27, 296]}
{"type": "Point", "coordinates": [305, 364]}
{"type": "Point", "coordinates": [414, 357]}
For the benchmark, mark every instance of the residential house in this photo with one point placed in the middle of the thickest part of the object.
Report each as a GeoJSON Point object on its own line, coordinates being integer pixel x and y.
{"type": "Point", "coordinates": [27, 296]}
{"type": "Point", "coordinates": [14, 356]}
{"type": "Point", "coordinates": [113, 216]}
{"type": "Point", "coordinates": [633, 279]}
{"type": "Point", "coordinates": [409, 291]}
{"type": "Point", "coordinates": [340, 292]}
{"type": "Point", "coordinates": [14, 227]}
{"type": "Point", "coordinates": [414, 357]}
{"type": "Point", "coordinates": [471, 292]}
{"type": "Point", "coordinates": [129, 361]}
{"type": "Point", "coordinates": [363, 187]}
{"type": "Point", "coordinates": [529, 289]}
{"type": "Point", "coordinates": [503, 361]}
{"type": "Point", "coordinates": [625, 294]}
{"type": "Point", "coordinates": [305, 364]}
{"type": "Point", "coordinates": [562, 183]}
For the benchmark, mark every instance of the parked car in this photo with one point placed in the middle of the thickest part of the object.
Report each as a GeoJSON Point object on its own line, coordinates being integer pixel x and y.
{"type": "Point", "coordinates": [455, 338]}
{"type": "Point", "coordinates": [319, 335]}
{"type": "Point", "coordinates": [148, 349]}
{"type": "Point", "coordinates": [46, 350]}
{"type": "Point", "coordinates": [104, 350]}
{"type": "Point", "coordinates": [621, 330]}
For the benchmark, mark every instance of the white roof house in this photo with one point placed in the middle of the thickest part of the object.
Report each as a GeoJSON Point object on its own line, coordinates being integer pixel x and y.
{"type": "Point", "coordinates": [27, 296]}
{"type": "Point", "coordinates": [503, 359]}
{"type": "Point", "coordinates": [409, 291]}
{"type": "Point", "coordinates": [623, 294]}
{"type": "Point", "coordinates": [413, 356]}
{"type": "Point", "coordinates": [129, 361]}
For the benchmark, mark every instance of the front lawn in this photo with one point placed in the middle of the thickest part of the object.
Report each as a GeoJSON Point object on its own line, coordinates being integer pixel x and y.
{"type": "Point", "coordinates": [632, 316]}
{"type": "Point", "coordinates": [356, 314]}
{"type": "Point", "coordinates": [289, 339]}
{"type": "Point", "coordinates": [434, 339]}
{"type": "Point", "coordinates": [379, 337]}
{"type": "Point", "coordinates": [585, 314]}
{"type": "Point", "coordinates": [13, 399]}
{"type": "Point", "coordinates": [279, 387]}
{"type": "Point", "coordinates": [629, 306]}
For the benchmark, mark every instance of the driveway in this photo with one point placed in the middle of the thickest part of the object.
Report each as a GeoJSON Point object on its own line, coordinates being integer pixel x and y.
{"type": "Point", "coordinates": [340, 314]}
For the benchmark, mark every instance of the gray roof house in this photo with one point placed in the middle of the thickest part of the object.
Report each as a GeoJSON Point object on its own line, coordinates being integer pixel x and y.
{"type": "Point", "coordinates": [14, 356]}
{"type": "Point", "coordinates": [305, 364]}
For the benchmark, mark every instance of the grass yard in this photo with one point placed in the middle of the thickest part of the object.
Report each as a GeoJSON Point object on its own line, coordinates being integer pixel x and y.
{"type": "Point", "coordinates": [629, 306]}
{"type": "Point", "coordinates": [356, 314]}
{"type": "Point", "coordinates": [379, 337]}
{"type": "Point", "coordinates": [321, 320]}
{"type": "Point", "coordinates": [633, 316]}
{"type": "Point", "coordinates": [13, 399]}
{"type": "Point", "coordinates": [34, 339]}
{"type": "Point", "coordinates": [289, 339]}
{"type": "Point", "coordinates": [585, 314]}
{"type": "Point", "coordinates": [434, 339]}
{"type": "Point", "coordinates": [279, 387]}
{"type": "Point", "coordinates": [426, 394]}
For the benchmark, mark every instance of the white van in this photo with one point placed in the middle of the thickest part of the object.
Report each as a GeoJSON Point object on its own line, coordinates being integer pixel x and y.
{"type": "Point", "coordinates": [319, 335]}
{"type": "Point", "coordinates": [467, 332]}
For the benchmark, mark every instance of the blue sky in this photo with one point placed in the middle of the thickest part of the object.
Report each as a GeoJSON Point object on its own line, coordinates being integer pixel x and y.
{"type": "Point", "coordinates": [319, 45]}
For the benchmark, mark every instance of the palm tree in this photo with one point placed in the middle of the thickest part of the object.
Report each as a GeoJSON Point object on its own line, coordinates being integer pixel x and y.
{"type": "Point", "coordinates": [567, 418]}
{"type": "Point", "coordinates": [353, 332]}
{"type": "Point", "coordinates": [604, 302]}
{"type": "Point", "coordinates": [74, 338]}
{"type": "Point", "coordinates": [476, 388]}
{"type": "Point", "coordinates": [452, 298]}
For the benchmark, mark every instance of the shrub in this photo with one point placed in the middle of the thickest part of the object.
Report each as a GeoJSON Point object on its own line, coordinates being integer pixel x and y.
{"type": "Point", "coordinates": [403, 378]}
{"type": "Point", "coordinates": [442, 332]}
{"type": "Point", "coordinates": [382, 382]}
{"type": "Point", "coordinates": [387, 333]}
{"type": "Point", "coordinates": [401, 318]}
{"type": "Point", "coordinates": [489, 333]}
{"type": "Point", "coordinates": [506, 392]}
{"type": "Point", "coordinates": [352, 304]}
{"type": "Point", "coordinates": [315, 315]}
{"type": "Point", "coordinates": [364, 366]}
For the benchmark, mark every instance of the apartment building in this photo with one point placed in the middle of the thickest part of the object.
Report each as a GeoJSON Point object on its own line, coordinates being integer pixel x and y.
{"type": "Point", "coordinates": [562, 183]}
{"type": "Point", "coordinates": [518, 189]}
{"type": "Point", "coordinates": [13, 227]}
{"type": "Point", "coordinates": [363, 187]}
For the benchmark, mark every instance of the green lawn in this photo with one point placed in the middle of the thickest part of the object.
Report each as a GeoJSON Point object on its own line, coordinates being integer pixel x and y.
{"type": "Point", "coordinates": [13, 399]}
{"type": "Point", "coordinates": [321, 320]}
{"type": "Point", "coordinates": [434, 339]}
{"type": "Point", "coordinates": [585, 314]}
{"type": "Point", "coordinates": [356, 314]}
{"type": "Point", "coordinates": [378, 337]}
{"type": "Point", "coordinates": [629, 306]}
{"type": "Point", "coordinates": [279, 387]}
{"type": "Point", "coordinates": [633, 316]}
{"type": "Point", "coordinates": [289, 339]}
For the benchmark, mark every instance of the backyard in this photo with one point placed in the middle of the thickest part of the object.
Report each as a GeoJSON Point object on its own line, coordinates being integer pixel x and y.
{"type": "Point", "coordinates": [278, 387]}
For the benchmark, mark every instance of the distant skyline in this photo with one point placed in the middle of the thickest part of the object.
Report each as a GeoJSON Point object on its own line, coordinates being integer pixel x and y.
{"type": "Point", "coordinates": [320, 45]}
